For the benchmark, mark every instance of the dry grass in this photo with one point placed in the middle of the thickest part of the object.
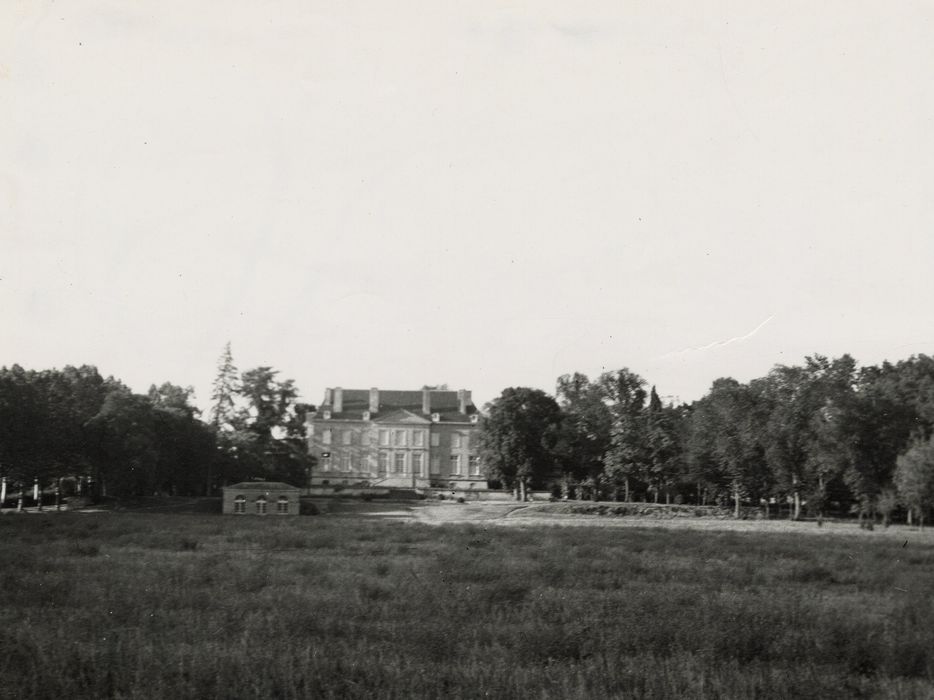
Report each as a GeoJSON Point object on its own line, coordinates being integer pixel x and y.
{"type": "Point", "coordinates": [144, 605]}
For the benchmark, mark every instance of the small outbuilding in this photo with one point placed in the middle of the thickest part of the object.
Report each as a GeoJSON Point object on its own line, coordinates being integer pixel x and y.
{"type": "Point", "coordinates": [261, 498]}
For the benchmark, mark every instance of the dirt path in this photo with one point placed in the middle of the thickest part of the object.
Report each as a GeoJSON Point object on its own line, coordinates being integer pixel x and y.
{"type": "Point", "coordinates": [537, 515]}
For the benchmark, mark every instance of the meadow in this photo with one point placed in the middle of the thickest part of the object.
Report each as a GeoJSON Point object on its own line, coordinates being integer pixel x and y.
{"type": "Point", "coordinates": [135, 605]}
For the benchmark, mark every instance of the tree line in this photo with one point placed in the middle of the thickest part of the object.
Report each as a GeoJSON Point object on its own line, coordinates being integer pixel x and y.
{"type": "Point", "coordinates": [825, 434]}
{"type": "Point", "coordinates": [76, 430]}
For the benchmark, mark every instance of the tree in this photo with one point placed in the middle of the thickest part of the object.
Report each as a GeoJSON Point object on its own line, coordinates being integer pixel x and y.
{"type": "Point", "coordinates": [187, 446]}
{"type": "Point", "coordinates": [626, 460]}
{"type": "Point", "coordinates": [42, 422]}
{"type": "Point", "coordinates": [270, 403]}
{"type": "Point", "coordinates": [585, 431]}
{"type": "Point", "coordinates": [802, 434]}
{"type": "Point", "coordinates": [725, 430]}
{"type": "Point", "coordinates": [517, 439]}
{"type": "Point", "coordinates": [170, 397]}
{"type": "Point", "coordinates": [23, 430]}
{"type": "Point", "coordinates": [270, 433]}
{"type": "Point", "coordinates": [664, 453]}
{"type": "Point", "coordinates": [914, 477]}
{"type": "Point", "coordinates": [125, 450]}
{"type": "Point", "coordinates": [224, 392]}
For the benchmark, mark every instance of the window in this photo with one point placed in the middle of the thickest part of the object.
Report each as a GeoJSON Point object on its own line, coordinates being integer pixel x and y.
{"type": "Point", "coordinates": [384, 438]}
{"type": "Point", "coordinates": [326, 461]}
{"type": "Point", "coordinates": [456, 441]}
{"type": "Point", "coordinates": [398, 438]}
{"type": "Point", "coordinates": [347, 436]}
{"type": "Point", "coordinates": [326, 436]}
{"type": "Point", "coordinates": [455, 464]}
{"type": "Point", "coordinates": [282, 505]}
{"type": "Point", "coordinates": [398, 463]}
{"type": "Point", "coordinates": [435, 465]}
{"type": "Point", "coordinates": [240, 504]}
{"type": "Point", "coordinates": [348, 461]}
{"type": "Point", "coordinates": [261, 505]}
{"type": "Point", "coordinates": [418, 460]}
{"type": "Point", "coordinates": [418, 438]}
{"type": "Point", "coordinates": [383, 462]}
{"type": "Point", "coordinates": [474, 465]}
{"type": "Point", "coordinates": [435, 439]}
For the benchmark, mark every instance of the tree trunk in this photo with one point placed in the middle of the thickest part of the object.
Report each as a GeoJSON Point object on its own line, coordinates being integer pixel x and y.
{"type": "Point", "coordinates": [22, 497]}
{"type": "Point", "coordinates": [522, 494]}
{"type": "Point", "coordinates": [797, 510]}
{"type": "Point", "coordinates": [820, 506]}
{"type": "Point", "coordinates": [909, 517]}
{"type": "Point", "coordinates": [656, 495]}
{"type": "Point", "coordinates": [667, 497]}
{"type": "Point", "coordinates": [626, 485]}
{"type": "Point", "coordinates": [921, 519]}
{"type": "Point", "coordinates": [736, 498]}
{"type": "Point", "coordinates": [565, 487]}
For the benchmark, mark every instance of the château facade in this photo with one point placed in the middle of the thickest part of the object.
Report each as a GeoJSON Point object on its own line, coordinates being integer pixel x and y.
{"type": "Point", "coordinates": [401, 439]}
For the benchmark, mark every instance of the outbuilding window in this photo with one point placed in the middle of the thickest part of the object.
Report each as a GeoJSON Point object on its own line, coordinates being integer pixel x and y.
{"type": "Point", "coordinates": [261, 505]}
{"type": "Point", "coordinates": [282, 505]}
{"type": "Point", "coordinates": [240, 504]}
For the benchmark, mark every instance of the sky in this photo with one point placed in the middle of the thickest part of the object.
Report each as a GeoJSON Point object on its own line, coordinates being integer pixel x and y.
{"type": "Point", "coordinates": [483, 194]}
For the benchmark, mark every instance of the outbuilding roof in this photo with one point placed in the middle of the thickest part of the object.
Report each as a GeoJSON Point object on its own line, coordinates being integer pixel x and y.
{"type": "Point", "coordinates": [262, 486]}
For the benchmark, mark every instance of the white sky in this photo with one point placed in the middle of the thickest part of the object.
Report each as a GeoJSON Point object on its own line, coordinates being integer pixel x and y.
{"type": "Point", "coordinates": [487, 194]}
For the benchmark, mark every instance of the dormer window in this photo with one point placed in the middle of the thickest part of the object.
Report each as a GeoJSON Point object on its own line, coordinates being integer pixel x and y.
{"type": "Point", "coordinates": [366, 415]}
{"type": "Point", "coordinates": [327, 414]}
{"type": "Point", "coordinates": [474, 417]}
{"type": "Point", "coordinates": [435, 417]}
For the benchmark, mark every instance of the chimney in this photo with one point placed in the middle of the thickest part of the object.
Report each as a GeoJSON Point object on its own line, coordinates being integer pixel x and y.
{"type": "Point", "coordinates": [426, 401]}
{"type": "Point", "coordinates": [462, 400]}
{"type": "Point", "coordinates": [338, 404]}
{"type": "Point", "coordinates": [374, 400]}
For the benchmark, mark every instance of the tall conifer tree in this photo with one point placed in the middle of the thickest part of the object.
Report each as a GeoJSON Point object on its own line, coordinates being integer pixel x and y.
{"type": "Point", "coordinates": [226, 387]}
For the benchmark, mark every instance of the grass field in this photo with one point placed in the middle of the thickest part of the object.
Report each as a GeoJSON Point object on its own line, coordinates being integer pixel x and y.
{"type": "Point", "coordinates": [138, 605]}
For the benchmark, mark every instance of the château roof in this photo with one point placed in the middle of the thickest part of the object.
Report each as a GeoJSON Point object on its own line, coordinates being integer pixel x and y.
{"type": "Point", "coordinates": [443, 402]}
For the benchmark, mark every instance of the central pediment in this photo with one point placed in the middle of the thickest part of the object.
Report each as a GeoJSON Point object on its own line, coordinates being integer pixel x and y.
{"type": "Point", "coordinates": [402, 416]}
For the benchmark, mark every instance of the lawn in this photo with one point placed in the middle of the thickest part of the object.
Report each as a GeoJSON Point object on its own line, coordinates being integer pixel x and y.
{"type": "Point", "coordinates": [136, 605]}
